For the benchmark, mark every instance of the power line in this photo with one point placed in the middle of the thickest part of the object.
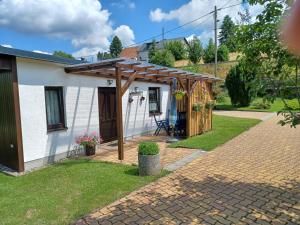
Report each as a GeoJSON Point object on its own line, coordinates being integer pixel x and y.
{"type": "Point", "coordinates": [178, 27]}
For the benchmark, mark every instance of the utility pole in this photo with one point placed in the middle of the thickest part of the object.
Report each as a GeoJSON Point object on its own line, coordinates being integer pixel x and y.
{"type": "Point", "coordinates": [216, 41]}
{"type": "Point", "coordinates": [163, 35]}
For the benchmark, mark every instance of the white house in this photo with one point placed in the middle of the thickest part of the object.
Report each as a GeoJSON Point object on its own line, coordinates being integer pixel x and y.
{"type": "Point", "coordinates": [43, 108]}
{"type": "Point", "coordinates": [47, 101]}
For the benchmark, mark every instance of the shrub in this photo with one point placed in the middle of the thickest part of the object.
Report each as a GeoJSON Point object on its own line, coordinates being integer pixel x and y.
{"type": "Point", "coordinates": [209, 52]}
{"type": "Point", "coordinates": [195, 50]}
{"type": "Point", "coordinates": [177, 48]}
{"type": "Point", "coordinates": [164, 58]}
{"type": "Point", "coordinates": [237, 83]}
{"type": "Point", "coordinates": [223, 53]}
{"type": "Point", "coordinates": [148, 148]}
{"type": "Point", "coordinates": [261, 105]}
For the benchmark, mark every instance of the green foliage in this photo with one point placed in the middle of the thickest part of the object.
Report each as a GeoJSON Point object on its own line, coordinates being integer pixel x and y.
{"type": "Point", "coordinates": [261, 105]}
{"type": "Point", "coordinates": [163, 58]}
{"type": "Point", "coordinates": [195, 50]}
{"type": "Point", "coordinates": [177, 48]}
{"type": "Point", "coordinates": [227, 33]}
{"type": "Point", "coordinates": [152, 50]}
{"type": "Point", "coordinates": [236, 82]}
{"type": "Point", "coordinates": [197, 106]}
{"type": "Point", "coordinates": [209, 52]}
{"type": "Point", "coordinates": [63, 54]}
{"type": "Point", "coordinates": [224, 129]}
{"type": "Point", "coordinates": [115, 47]}
{"type": "Point", "coordinates": [223, 53]}
{"type": "Point", "coordinates": [148, 148]}
{"type": "Point", "coordinates": [103, 55]}
{"type": "Point", "coordinates": [261, 46]}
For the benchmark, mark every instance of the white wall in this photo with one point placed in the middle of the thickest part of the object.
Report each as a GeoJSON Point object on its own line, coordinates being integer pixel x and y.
{"type": "Point", "coordinates": [81, 107]}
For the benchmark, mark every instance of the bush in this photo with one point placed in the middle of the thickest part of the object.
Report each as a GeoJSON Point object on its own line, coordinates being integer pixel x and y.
{"type": "Point", "coordinates": [237, 83]}
{"type": "Point", "coordinates": [209, 52]}
{"type": "Point", "coordinates": [177, 48]}
{"type": "Point", "coordinates": [223, 53]}
{"type": "Point", "coordinates": [148, 148]}
{"type": "Point", "coordinates": [195, 50]}
{"type": "Point", "coordinates": [164, 58]}
{"type": "Point", "coordinates": [261, 105]}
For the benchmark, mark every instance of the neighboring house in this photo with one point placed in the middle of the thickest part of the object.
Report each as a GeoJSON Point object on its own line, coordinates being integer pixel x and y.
{"type": "Point", "coordinates": [130, 53]}
{"type": "Point", "coordinates": [143, 53]}
{"type": "Point", "coordinates": [46, 103]}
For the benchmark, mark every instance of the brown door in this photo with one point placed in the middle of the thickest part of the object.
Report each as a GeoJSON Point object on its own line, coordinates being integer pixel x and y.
{"type": "Point", "coordinates": [107, 113]}
{"type": "Point", "coordinates": [8, 132]}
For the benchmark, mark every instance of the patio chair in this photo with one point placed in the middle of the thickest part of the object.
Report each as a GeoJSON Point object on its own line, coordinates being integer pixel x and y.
{"type": "Point", "coordinates": [161, 124]}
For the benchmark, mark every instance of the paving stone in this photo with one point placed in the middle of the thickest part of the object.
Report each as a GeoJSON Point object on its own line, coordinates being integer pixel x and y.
{"type": "Point", "coordinates": [252, 179]}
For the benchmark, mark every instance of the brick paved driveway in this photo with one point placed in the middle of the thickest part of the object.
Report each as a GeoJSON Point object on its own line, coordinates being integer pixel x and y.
{"type": "Point", "coordinates": [252, 179]}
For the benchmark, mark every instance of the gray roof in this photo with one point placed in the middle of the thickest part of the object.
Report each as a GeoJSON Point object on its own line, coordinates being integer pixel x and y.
{"type": "Point", "coordinates": [38, 56]}
{"type": "Point", "coordinates": [159, 44]}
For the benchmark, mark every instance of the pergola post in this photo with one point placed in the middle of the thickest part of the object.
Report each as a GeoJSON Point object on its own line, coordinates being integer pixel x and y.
{"type": "Point", "coordinates": [119, 114]}
{"type": "Point", "coordinates": [188, 107]}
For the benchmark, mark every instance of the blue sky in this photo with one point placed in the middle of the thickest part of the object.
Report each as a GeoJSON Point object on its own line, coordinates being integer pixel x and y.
{"type": "Point", "coordinates": [83, 27]}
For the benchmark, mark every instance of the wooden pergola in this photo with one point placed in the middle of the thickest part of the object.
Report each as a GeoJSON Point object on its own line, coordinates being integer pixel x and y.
{"type": "Point", "coordinates": [133, 70]}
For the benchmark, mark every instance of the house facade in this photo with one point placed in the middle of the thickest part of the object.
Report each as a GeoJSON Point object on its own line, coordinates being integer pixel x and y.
{"type": "Point", "coordinates": [143, 53]}
{"type": "Point", "coordinates": [44, 109]}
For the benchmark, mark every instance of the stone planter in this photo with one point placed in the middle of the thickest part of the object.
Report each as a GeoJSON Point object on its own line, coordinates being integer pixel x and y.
{"type": "Point", "coordinates": [90, 150]}
{"type": "Point", "coordinates": [149, 165]}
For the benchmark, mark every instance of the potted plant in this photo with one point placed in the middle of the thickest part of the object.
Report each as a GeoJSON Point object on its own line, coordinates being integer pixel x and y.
{"type": "Point", "coordinates": [179, 94]}
{"type": "Point", "coordinates": [89, 142]}
{"type": "Point", "coordinates": [197, 107]}
{"type": "Point", "coordinates": [210, 104]}
{"type": "Point", "coordinates": [148, 158]}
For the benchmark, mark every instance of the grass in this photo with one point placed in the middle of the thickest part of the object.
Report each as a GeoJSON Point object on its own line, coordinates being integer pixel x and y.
{"type": "Point", "coordinates": [275, 107]}
{"type": "Point", "coordinates": [223, 68]}
{"type": "Point", "coordinates": [64, 192]}
{"type": "Point", "coordinates": [224, 129]}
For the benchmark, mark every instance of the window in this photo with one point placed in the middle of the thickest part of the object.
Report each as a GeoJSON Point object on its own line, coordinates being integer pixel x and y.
{"type": "Point", "coordinates": [154, 100]}
{"type": "Point", "coordinates": [54, 108]}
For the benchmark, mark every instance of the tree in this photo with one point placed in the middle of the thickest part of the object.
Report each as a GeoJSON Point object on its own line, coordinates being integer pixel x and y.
{"type": "Point", "coordinates": [177, 48]}
{"type": "Point", "coordinates": [63, 54]}
{"type": "Point", "coordinates": [223, 53]}
{"type": "Point", "coordinates": [236, 82]}
{"type": "Point", "coordinates": [152, 49]}
{"type": "Point", "coordinates": [103, 55]}
{"type": "Point", "coordinates": [227, 34]}
{"type": "Point", "coordinates": [209, 52]}
{"type": "Point", "coordinates": [195, 50]}
{"type": "Point", "coordinates": [115, 47]}
{"type": "Point", "coordinates": [164, 58]}
{"type": "Point", "coordinates": [261, 46]}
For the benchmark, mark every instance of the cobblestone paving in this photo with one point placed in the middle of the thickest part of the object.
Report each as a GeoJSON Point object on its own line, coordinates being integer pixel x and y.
{"type": "Point", "coordinates": [109, 152]}
{"type": "Point", "coordinates": [252, 179]}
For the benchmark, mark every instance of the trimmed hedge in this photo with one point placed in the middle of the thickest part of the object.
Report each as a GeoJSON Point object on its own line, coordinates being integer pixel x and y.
{"type": "Point", "coordinates": [148, 148]}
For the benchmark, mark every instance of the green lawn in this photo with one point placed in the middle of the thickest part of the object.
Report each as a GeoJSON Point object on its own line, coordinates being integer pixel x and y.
{"type": "Point", "coordinates": [224, 129]}
{"type": "Point", "coordinates": [275, 107]}
{"type": "Point", "coordinates": [64, 192]}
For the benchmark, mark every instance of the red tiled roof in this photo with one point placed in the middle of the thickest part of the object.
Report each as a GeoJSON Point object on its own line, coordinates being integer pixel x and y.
{"type": "Point", "coordinates": [131, 53]}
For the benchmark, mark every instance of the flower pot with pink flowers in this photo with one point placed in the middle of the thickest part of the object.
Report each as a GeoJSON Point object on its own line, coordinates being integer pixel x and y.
{"type": "Point", "coordinates": [89, 142]}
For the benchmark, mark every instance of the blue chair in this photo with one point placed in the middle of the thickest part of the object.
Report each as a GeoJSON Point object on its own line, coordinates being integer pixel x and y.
{"type": "Point", "coordinates": [161, 124]}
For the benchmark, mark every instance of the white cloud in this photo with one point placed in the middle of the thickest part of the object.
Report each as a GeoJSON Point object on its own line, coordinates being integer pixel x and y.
{"type": "Point", "coordinates": [6, 45]}
{"type": "Point", "coordinates": [203, 37]}
{"type": "Point", "coordinates": [125, 34]}
{"type": "Point", "coordinates": [123, 4]}
{"type": "Point", "coordinates": [84, 22]}
{"type": "Point", "coordinates": [42, 52]}
{"type": "Point", "coordinates": [195, 8]}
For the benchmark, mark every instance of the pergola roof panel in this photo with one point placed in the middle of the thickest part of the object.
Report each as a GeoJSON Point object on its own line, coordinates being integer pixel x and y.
{"type": "Point", "coordinates": [129, 66]}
